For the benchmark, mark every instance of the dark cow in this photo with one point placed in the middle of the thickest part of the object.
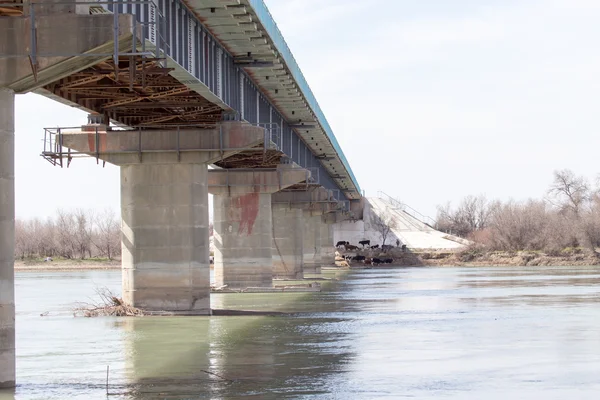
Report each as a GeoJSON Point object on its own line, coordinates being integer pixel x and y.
{"type": "Point", "coordinates": [358, 258]}
{"type": "Point", "coordinates": [403, 247]}
{"type": "Point", "coordinates": [350, 247]}
{"type": "Point", "coordinates": [347, 258]}
{"type": "Point", "coordinates": [365, 243]}
{"type": "Point", "coordinates": [388, 260]}
{"type": "Point", "coordinates": [376, 261]}
{"type": "Point", "coordinates": [375, 247]}
{"type": "Point", "coordinates": [341, 243]}
{"type": "Point", "coordinates": [387, 247]}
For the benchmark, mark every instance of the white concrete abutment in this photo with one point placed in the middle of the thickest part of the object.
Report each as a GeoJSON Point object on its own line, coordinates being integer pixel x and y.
{"type": "Point", "coordinates": [7, 238]}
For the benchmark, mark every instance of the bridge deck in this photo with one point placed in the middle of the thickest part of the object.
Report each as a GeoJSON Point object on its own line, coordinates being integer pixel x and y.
{"type": "Point", "coordinates": [213, 58]}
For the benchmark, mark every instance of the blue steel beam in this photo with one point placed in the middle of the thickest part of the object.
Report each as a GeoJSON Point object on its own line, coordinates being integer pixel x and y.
{"type": "Point", "coordinates": [267, 21]}
{"type": "Point", "coordinates": [206, 66]}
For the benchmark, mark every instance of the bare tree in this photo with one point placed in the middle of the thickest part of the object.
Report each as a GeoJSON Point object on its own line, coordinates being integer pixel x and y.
{"type": "Point", "coordinates": [107, 234]}
{"type": "Point", "coordinates": [22, 240]}
{"type": "Point", "coordinates": [569, 217]}
{"type": "Point", "coordinates": [383, 224]}
{"type": "Point", "coordinates": [83, 237]}
{"type": "Point", "coordinates": [472, 214]}
{"type": "Point", "coordinates": [516, 226]}
{"type": "Point", "coordinates": [569, 192]}
{"type": "Point", "coordinates": [575, 200]}
{"type": "Point", "coordinates": [66, 231]}
{"type": "Point", "coordinates": [69, 234]}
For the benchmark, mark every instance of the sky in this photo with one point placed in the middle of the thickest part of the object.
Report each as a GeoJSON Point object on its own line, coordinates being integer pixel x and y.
{"type": "Point", "coordinates": [430, 100]}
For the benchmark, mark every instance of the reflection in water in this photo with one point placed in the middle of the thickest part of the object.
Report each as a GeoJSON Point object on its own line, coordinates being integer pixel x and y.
{"type": "Point", "coordinates": [460, 333]}
{"type": "Point", "coordinates": [222, 357]}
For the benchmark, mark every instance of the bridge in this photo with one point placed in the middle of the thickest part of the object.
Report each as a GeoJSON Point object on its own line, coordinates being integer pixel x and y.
{"type": "Point", "coordinates": [187, 97]}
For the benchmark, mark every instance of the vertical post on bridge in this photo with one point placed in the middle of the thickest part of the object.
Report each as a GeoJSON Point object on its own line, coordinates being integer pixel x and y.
{"type": "Point", "coordinates": [7, 238]}
{"type": "Point", "coordinates": [116, 36]}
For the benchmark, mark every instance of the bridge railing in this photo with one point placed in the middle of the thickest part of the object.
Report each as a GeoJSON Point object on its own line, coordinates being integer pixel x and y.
{"type": "Point", "coordinates": [407, 209]}
{"type": "Point", "coordinates": [267, 20]}
{"type": "Point", "coordinates": [55, 151]}
{"type": "Point", "coordinates": [272, 134]}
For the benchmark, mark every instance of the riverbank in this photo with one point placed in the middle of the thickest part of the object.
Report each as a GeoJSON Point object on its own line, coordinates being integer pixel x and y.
{"type": "Point", "coordinates": [481, 258]}
{"type": "Point", "coordinates": [467, 258]}
{"type": "Point", "coordinates": [472, 257]}
{"type": "Point", "coordinates": [66, 265]}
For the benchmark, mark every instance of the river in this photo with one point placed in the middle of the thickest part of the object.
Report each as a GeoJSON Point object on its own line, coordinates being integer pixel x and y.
{"type": "Point", "coordinates": [423, 333]}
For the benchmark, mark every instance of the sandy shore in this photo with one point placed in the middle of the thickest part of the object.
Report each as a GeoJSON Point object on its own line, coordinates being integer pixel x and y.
{"type": "Point", "coordinates": [480, 258]}
{"type": "Point", "coordinates": [66, 265]}
{"type": "Point", "coordinates": [507, 259]}
{"type": "Point", "coordinates": [420, 259]}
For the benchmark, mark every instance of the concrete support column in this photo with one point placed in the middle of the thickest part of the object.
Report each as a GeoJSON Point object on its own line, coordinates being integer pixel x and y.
{"type": "Point", "coordinates": [288, 232]}
{"type": "Point", "coordinates": [243, 240]}
{"type": "Point", "coordinates": [165, 237]}
{"type": "Point", "coordinates": [312, 243]}
{"type": "Point", "coordinates": [243, 226]}
{"type": "Point", "coordinates": [327, 245]}
{"type": "Point", "coordinates": [7, 238]}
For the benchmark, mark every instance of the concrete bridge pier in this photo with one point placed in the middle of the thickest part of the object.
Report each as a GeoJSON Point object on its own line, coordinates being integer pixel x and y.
{"type": "Point", "coordinates": [7, 238]}
{"type": "Point", "coordinates": [299, 234]}
{"type": "Point", "coordinates": [164, 207]}
{"type": "Point", "coordinates": [165, 237]}
{"type": "Point", "coordinates": [319, 234]}
{"type": "Point", "coordinates": [288, 241]}
{"type": "Point", "coordinates": [312, 242]}
{"type": "Point", "coordinates": [243, 224]}
{"type": "Point", "coordinates": [327, 245]}
{"type": "Point", "coordinates": [242, 235]}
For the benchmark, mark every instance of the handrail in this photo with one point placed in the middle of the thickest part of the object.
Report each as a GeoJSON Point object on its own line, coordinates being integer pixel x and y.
{"type": "Point", "coordinates": [54, 151]}
{"type": "Point", "coordinates": [267, 21]}
{"type": "Point", "coordinates": [425, 219]}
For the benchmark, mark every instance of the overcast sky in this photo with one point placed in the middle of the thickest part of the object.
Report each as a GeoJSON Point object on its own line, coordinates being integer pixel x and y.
{"type": "Point", "coordinates": [431, 100]}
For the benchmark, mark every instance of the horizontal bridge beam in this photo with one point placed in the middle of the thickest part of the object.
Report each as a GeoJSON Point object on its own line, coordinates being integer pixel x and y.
{"type": "Point", "coordinates": [228, 182]}
{"type": "Point", "coordinates": [173, 145]}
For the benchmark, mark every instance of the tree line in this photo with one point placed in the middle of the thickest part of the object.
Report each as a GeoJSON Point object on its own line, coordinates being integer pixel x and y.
{"type": "Point", "coordinates": [568, 216]}
{"type": "Point", "coordinates": [69, 234]}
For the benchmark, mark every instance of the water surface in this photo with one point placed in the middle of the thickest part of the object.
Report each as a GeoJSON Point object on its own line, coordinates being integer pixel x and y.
{"type": "Point", "coordinates": [424, 333]}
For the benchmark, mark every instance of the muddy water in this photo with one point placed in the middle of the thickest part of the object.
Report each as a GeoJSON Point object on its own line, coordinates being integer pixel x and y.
{"type": "Point", "coordinates": [426, 333]}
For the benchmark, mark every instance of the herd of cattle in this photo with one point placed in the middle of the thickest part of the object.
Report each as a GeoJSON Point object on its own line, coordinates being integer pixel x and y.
{"type": "Point", "coordinates": [366, 244]}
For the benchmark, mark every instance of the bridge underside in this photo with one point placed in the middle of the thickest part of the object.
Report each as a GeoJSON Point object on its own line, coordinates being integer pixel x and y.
{"type": "Point", "coordinates": [138, 92]}
{"type": "Point", "coordinates": [165, 183]}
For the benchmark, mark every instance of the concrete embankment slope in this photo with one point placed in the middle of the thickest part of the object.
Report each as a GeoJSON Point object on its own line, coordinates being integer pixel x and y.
{"type": "Point", "coordinates": [409, 230]}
